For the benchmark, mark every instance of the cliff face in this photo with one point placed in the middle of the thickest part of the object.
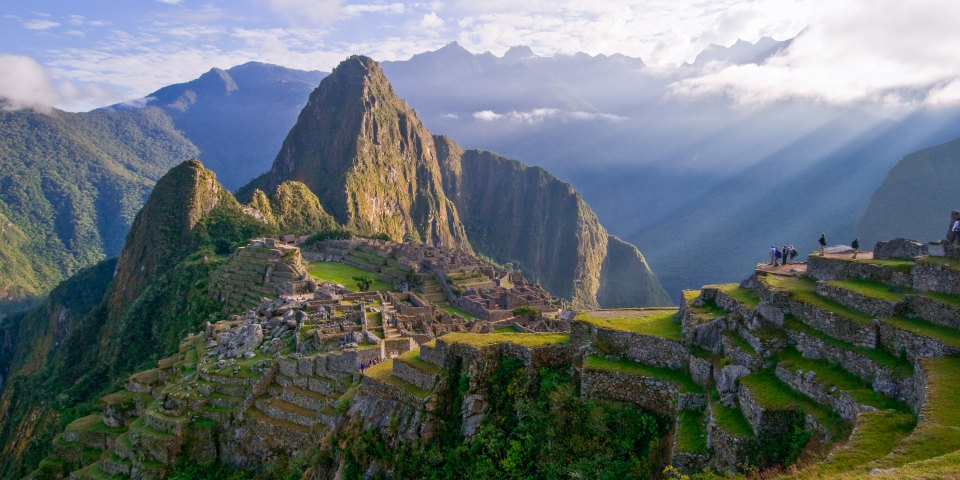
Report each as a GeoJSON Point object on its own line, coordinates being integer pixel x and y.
{"type": "Point", "coordinates": [515, 213]}
{"type": "Point", "coordinates": [369, 160]}
{"type": "Point", "coordinates": [160, 234]}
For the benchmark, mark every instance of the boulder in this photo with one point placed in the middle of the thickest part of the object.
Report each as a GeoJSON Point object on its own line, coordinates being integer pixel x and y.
{"type": "Point", "coordinates": [235, 344]}
{"type": "Point", "coordinates": [727, 383]}
{"type": "Point", "coordinates": [899, 248]}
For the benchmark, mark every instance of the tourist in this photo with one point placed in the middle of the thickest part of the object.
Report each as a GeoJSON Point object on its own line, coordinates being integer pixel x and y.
{"type": "Point", "coordinates": [955, 230]}
{"type": "Point", "coordinates": [361, 367]}
{"type": "Point", "coordinates": [856, 246]}
{"type": "Point", "coordinates": [773, 255]}
{"type": "Point", "coordinates": [822, 242]}
{"type": "Point", "coordinates": [793, 254]}
{"type": "Point", "coordinates": [776, 256]}
{"type": "Point", "coordinates": [786, 255]}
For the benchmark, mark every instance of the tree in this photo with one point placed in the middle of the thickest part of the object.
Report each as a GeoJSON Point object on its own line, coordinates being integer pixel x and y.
{"type": "Point", "coordinates": [526, 311]}
{"type": "Point", "coordinates": [364, 280]}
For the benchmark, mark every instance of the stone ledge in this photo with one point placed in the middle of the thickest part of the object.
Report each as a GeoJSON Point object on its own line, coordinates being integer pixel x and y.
{"type": "Point", "coordinates": [657, 395]}
{"type": "Point", "coordinates": [934, 311]}
{"type": "Point", "coordinates": [875, 307]}
{"type": "Point", "coordinates": [836, 326]}
{"type": "Point", "coordinates": [807, 384]}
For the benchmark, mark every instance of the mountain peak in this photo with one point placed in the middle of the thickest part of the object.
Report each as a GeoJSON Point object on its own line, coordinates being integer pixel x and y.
{"type": "Point", "coordinates": [518, 54]}
{"type": "Point", "coordinates": [218, 78]}
{"type": "Point", "coordinates": [368, 158]}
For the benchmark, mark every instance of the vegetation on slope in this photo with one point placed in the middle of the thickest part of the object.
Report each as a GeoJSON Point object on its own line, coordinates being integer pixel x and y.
{"type": "Point", "coordinates": [537, 426]}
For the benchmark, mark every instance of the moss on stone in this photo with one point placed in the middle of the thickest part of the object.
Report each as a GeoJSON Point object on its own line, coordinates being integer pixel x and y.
{"type": "Point", "coordinates": [654, 321]}
{"type": "Point", "coordinates": [677, 376]}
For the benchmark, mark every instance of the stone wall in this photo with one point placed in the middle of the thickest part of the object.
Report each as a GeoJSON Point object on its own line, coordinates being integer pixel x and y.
{"type": "Point", "coordinates": [701, 370]}
{"type": "Point", "coordinates": [646, 349]}
{"type": "Point", "coordinates": [774, 422]}
{"type": "Point", "coordinates": [836, 326]}
{"type": "Point", "coordinates": [875, 307]}
{"type": "Point", "coordinates": [934, 311]}
{"type": "Point", "coordinates": [727, 450]}
{"type": "Point", "coordinates": [882, 379]}
{"type": "Point", "coordinates": [935, 276]}
{"type": "Point", "coordinates": [652, 394]}
{"type": "Point", "coordinates": [806, 383]}
{"type": "Point", "coordinates": [914, 346]}
{"type": "Point", "coordinates": [831, 268]}
{"type": "Point", "coordinates": [412, 375]}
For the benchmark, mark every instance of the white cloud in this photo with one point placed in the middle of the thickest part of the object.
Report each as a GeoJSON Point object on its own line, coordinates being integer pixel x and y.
{"type": "Point", "coordinates": [538, 115]}
{"type": "Point", "coordinates": [40, 24]}
{"type": "Point", "coordinates": [431, 22]}
{"type": "Point", "coordinates": [359, 9]}
{"type": "Point", "coordinates": [854, 55]}
{"type": "Point", "coordinates": [26, 84]}
{"type": "Point", "coordinates": [171, 2]}
{"type": "Point", "coordinates": [301, 12]}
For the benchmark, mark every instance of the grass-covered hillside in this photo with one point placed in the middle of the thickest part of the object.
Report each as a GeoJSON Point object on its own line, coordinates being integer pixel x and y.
{"type": "Point", "coordinates": [70, 185]}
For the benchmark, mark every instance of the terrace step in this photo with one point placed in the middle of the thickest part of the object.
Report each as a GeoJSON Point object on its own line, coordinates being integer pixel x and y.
{"type": "Point", "coordinates": [304, 398]}
{"type": "Point", "coordinates": [411, 368]}
{"type": "Point", "coordinates": [283, 410]}
{"type": "Point", "coordinates": [828, 316]}
{"type": "Point", "coordinates": [830, 385]}
{"type": "Point", "coordinates": [771, 406]}
{"type": "Point", "coordinates": [938, 430]}
{"type": "Point", "coordinates": [164, 423]}
{"type": "Point", "coordinates": [277, 427]}
{"type": "Point", "coordinates": [870, 297]}
{"type": "Point", "coordinates": [888, 374]}
{"type": "Point", "coordinates": [917, 338]}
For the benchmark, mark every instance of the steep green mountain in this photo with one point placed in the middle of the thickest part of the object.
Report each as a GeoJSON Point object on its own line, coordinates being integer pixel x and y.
{"type": "Point", "coordinates": [120, 315]}
{"type": "Point", "coordinates": [368, 158]}
{"type": "Point", "coordinates": [293, 208]}
{"type": "Point", "coordinates": [515, 213]}
{"type": "Point", "coordinates": [70, 184]}
{"type": "Point", "coordinates": [912, 198]}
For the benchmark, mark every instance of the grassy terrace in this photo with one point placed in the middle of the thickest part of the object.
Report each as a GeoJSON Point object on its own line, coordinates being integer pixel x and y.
{"type": "Point", "coordinates": [522, 339]}
{"type": "Point", "coordinates": [871, 288]}
{"type": "Point", "coordinates": [804, 290]}
{"type": "Point", "coordinates": [655, 322]}
{"type": "Point", "coordinates": [383, 372]}
{"type": "Point", "coordinates": [832, 375]}
{"type": "Point", "coordinates": [343, 274]}
{"type": "Point", "coordinates": [943, 261]}
{"type": "Point", "coordinates": [770, 392]}
{"type": "Point", "coordinates": [708, 310]}
{"type": "Point", "coordinates": [943, 298]}
{"type": "Point", "coordinates": [938, 432]}
{"type": "Point", "coordinates": [743, 295]}
{"type": "Point", "coordinates": [924, 328]}
{"type": "Point", "coordinates": [94, 423]}
{"type": "Point", "coordinates": [679, 377]}
{"type": "Point", "coordinates": [731, 420]}
{"type": "Point", "coordinates": [902, 265]}
{"type": "Point", "coordinates": [412, 358]}
{"type": "Point", "coordinates": [454, 310]}
{"type": "Point", "coordinates": [740, 342]}
{"type": "Point", "coordinates": [691, 436]}
{"type": "Point", "coordinates": [900, 367]}
{"type": "Point", "coordinates": [875, 435]}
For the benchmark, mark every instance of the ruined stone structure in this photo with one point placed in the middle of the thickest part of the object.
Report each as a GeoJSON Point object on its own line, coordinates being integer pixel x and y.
{"type": "Point", "coordinates": [850, 345]}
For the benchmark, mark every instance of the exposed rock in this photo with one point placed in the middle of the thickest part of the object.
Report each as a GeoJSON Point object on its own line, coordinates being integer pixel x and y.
{"type": "Point", "coordinates": [233, 345]}
{"type": "Point", "coordinates": [727, 383]}
{"type": "Point", "coordinates": [899, 248]}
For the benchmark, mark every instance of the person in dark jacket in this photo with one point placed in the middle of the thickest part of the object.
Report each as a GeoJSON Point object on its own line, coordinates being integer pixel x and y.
{"type": "Point", "coordinates": [785, 254]}
{"type": "Point", "coordinates": [793, 254]}
{"type": "Point", "coordinates": [856, 246]}
{"type": "Point", "coordinates": [822, 242]}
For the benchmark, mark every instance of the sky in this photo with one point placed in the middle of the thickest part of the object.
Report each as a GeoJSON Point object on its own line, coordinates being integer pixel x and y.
{"type": "Point", "coordinates": [82, 55]}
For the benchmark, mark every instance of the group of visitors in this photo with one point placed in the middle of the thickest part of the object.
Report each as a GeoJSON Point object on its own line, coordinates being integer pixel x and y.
{"type": "Point", "coordinates": [782, 256]}
{"type": "Point", "coordinates": [371, 363]}
{"type": "Point", "coordinates": [855, 245]}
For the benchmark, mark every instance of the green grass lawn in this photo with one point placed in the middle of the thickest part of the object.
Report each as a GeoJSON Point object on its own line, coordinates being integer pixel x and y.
{"type": "Point", "coordinates": [902, 265]}
{"type": "Point", "coordinates": [677, 376]}
{"type": "Point", "coordinates": [804, 290]}
{"type": "Point", "coordinates": [343, 274]}
{"type": "Point", "coordinates": [454, 310]}
{"type": "Point", "coordinates": [872, 288]}
{"type": "Point", "coordinates": [770, 392]}
{"type": "Point", "coordinates": [943, 298]}
{"type": "Point", "coordinates": [523, 339]}
{"type": "Point", "coordinates": [709, 309]}
{"type": "Point", "coordinates": [507, 329]}
{"type": "Point", "coordinates": [374, 319]}
{"type": "Point", "coordinates": [655, 322]}
{"type": "Point", "coordinates": [691, 436]}
{"type": "Point", "coordinates": [900, 367]}
{"type": "Point", "coordinates": [731, 420]}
